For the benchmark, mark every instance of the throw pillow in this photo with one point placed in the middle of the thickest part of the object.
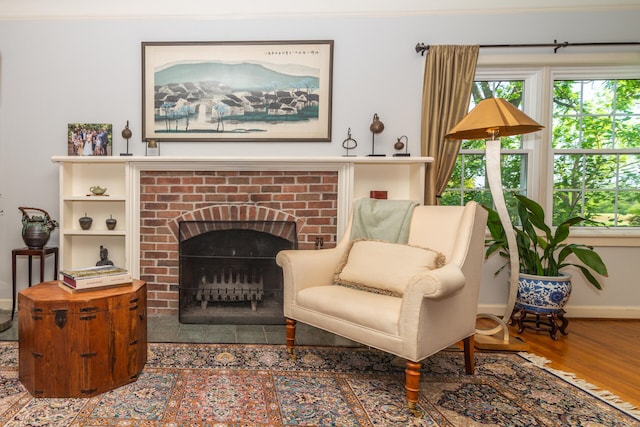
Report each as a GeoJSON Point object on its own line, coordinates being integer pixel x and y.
{"type": "Point", "coordinates": [384, 267]}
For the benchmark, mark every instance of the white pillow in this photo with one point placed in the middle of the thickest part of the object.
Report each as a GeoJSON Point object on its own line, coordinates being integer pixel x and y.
{"type": "Point", "coordinates": [384, 267]}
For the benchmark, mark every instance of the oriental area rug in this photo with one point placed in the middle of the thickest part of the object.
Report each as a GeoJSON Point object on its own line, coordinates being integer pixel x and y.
{"type": "Point", "coordinates": [259, 385]}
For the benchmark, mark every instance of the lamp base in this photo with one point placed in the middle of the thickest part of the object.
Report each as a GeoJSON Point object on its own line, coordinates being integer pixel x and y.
{"type": "Point", "coordinates": [402, 155]}
{"type": "Point", "coordinates": [492, 342]}
{"type": "Point", "coordinates": [376, 155]}
{"type": "Point", "coordinates": [126, 154]}
{"type": "Point", "coordinates": [498, 338]}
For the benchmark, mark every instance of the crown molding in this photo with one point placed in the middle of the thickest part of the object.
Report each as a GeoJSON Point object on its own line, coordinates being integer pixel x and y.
{"type": "Point", "coordinates": [207, 9]}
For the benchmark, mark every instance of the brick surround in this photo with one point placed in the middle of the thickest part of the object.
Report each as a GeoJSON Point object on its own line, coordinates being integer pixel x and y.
{"type": "Point", "coordinates": [307, 197]}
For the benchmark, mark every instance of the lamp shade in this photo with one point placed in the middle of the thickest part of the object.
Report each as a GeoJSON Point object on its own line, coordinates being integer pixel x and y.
{"type": "Point", "coordinates": [493, 117]}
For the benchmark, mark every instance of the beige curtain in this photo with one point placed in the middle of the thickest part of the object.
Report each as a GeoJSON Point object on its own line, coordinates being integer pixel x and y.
{"type": "Point", "coordinates": [448, 79]}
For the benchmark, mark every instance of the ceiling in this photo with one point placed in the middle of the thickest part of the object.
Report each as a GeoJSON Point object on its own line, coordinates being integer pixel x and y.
{"type": "Point", "coordinates": [204, 9]}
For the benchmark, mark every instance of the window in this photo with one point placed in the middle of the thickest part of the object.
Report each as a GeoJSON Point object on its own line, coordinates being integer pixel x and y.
{"type": "Point", "coordinates": [590, 162]}
{"type": "Point", "coordinates": [468, 181]}
{"type": "Point", "coordinates": [596, 150]}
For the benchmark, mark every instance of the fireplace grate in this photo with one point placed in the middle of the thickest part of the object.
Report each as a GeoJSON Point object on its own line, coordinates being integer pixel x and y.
{"type": "Point", "coordinates": [228, 273]}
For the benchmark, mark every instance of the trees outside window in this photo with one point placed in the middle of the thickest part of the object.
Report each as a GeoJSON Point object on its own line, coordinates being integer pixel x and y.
{"type": "Point", "coordinates": [596, 150]}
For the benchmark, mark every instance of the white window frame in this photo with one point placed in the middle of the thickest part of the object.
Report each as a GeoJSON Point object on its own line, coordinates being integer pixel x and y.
{"type": "Point", "coordinates": [539, 73]}
{"type": "Point", "coordinates": [589, 73]}
{"type": "Point", "coordinates": [531, 107]}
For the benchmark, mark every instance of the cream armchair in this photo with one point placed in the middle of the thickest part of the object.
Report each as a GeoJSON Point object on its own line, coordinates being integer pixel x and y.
{"type": "Point", "coordinates": [434, 309]}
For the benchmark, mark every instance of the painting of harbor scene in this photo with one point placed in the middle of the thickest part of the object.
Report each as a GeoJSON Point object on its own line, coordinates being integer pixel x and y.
{"type": "Point", "coordinates": [237, 91]}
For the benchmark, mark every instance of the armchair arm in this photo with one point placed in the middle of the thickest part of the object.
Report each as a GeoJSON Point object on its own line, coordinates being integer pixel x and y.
{"type": "Point", "coordinates": [436, 310]}
{"type": "Point", "coordinates": [438, 283]}
{"type": "Point", "coordinates": [304, 268]}
{"type": "Point", "coordinates": [424, 288]}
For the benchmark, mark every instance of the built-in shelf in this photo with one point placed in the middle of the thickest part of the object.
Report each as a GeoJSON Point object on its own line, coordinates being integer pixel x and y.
{"type": "Point", "coordinates": [400, 177]}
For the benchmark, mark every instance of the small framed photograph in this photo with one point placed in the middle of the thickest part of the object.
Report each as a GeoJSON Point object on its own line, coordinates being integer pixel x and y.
{"type": "Point", "coordinates": [89, 139]}
{"type": "Point", "coordinates": [237, 91]}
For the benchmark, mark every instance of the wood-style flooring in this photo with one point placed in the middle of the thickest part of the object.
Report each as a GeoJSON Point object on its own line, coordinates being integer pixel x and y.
{"type": "Point", "coordinates": [603, 352]}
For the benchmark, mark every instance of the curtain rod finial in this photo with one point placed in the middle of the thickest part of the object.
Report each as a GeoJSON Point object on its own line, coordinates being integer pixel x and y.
{"type": "Point", "coordinates": [421, 48]}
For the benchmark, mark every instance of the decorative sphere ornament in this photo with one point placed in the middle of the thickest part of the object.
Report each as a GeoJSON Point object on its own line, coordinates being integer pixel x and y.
{"type": "Point", "coordinates": [126, 132]}
{"type": "Point", "coordinates": [376, 126]}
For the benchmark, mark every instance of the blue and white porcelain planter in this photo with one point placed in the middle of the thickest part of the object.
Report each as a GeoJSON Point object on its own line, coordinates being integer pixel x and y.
{"type": "Point", "coordinates": [543, 294]}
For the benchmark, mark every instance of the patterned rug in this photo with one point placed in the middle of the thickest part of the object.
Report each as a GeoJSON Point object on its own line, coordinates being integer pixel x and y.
{"type": "Point", "coordinates": [258, 385]}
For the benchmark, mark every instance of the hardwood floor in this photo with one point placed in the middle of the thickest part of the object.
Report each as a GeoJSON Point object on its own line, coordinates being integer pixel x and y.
{"type": "Point", "coordinates": [603, 352]}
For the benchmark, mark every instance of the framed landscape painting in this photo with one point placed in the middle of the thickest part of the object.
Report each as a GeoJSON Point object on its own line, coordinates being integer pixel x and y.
{"type": "Point", "coordinates": [237, 91]}
{"type": "Point", "coordinates": [89, 139]}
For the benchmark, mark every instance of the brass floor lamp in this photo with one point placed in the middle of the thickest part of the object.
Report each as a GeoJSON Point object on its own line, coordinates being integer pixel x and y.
{"type": "Point", "coordinates": [490, 119]}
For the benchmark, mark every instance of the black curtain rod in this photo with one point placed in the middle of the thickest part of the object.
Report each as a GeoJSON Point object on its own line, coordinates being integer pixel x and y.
{"type": "Point", "coordinates": [421, 48]}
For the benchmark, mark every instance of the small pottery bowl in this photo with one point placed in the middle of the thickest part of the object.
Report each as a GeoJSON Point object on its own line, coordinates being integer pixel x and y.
{"type": "Point", "coordinates": [111, 223]}
{"type": "Point", "coordinates": [85, 222]}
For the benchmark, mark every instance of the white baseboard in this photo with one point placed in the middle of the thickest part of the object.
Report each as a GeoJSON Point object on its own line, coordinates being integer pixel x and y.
{"type": "Point", "coordinates": [583, 312]}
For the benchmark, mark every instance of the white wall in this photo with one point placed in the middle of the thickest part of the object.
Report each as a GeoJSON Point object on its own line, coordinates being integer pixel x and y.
{"type": "Point", "coordinates": [55, 72]}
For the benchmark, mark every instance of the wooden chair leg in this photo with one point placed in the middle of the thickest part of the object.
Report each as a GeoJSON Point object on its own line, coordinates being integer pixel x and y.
{"type": "Point", "coordinates": [412, 386]}
{"type": "Point", "coordinates": [469, 360]}
{"type": "Point", "coordinates": [291, 335]}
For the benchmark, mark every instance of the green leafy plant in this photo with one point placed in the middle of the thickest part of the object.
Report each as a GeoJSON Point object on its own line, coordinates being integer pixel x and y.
{"type": "Point", "coordinates": [542, 251]}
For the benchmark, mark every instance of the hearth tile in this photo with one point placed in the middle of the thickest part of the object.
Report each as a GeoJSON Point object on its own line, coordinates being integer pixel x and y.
{"type": "Point", "coordinates": [159, 335]}
{"type": "Point", "coordinates": [194, 327]}
{"type": "Point", "coordinates": [221, 334]}
{"type": "Point", "coordinates": [276, 334]}
{"type": "Point", "coordinates": [250, 334]}
{"type": "Point", "coordinates": [11, 333]}
{"type": "Point", "coordinates": [191, 336]}
{"type": "Point", "coordinates": [163, 323]}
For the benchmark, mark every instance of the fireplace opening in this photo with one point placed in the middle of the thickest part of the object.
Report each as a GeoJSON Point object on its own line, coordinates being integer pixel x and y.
{"type": "Point", "coordinates": [228, 273]}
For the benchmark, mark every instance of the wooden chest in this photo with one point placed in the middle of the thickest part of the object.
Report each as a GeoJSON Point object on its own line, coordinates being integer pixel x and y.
{"type": "Point", "coordinates": [81, 344]}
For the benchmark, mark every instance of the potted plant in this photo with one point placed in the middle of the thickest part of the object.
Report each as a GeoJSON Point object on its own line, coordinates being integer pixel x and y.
{"type": "Point", "coordinates": [543, 254]}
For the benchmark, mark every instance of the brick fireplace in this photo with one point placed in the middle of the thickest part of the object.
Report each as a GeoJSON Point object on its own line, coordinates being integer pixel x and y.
{"type": "Point", "coordinates": [166, 197]}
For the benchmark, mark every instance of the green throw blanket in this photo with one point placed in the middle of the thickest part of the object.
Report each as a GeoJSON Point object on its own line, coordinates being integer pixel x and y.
{"type": "Point", "coordinates": [386, 220]}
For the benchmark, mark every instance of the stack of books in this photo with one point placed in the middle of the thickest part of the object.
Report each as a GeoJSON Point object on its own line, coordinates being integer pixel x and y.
{"type": "Point", "coordinates": [94, 277]}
